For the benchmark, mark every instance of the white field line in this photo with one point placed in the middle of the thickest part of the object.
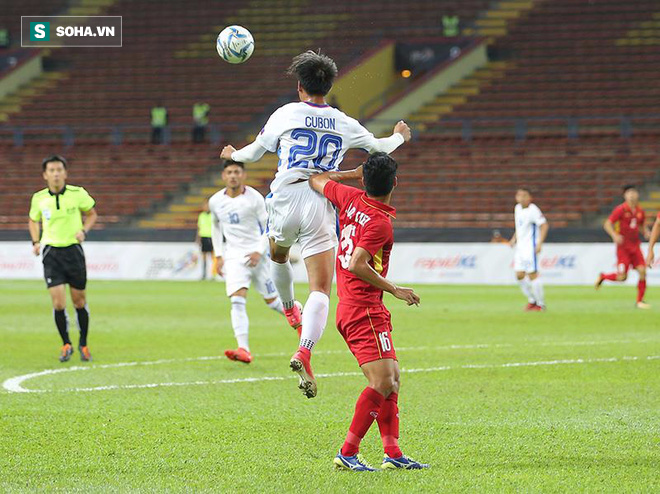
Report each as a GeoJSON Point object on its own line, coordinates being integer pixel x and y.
{"type": "Point", "coordinates": [14, 384]}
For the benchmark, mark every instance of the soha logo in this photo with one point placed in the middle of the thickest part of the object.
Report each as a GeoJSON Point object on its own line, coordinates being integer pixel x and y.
{"type": "Point", "coordinates": [40, 31]}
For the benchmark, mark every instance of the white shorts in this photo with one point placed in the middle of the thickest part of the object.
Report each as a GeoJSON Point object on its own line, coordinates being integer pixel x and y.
{"type": "Point", "coordinates": [525, 259]}
{"type": "Point", "coordinates": [298, 213]}
{"type": "Point", "coordinates": [239, 275]}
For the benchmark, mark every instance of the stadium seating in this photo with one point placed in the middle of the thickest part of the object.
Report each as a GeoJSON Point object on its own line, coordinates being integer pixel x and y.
{"type": "Point", "coordinates": [561, 60]}
{"type": "Point", "coordinates": [124, 180]}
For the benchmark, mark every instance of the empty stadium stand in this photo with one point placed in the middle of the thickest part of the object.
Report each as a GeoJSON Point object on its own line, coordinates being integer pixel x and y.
{"type": "Point", "coordinates": [566, 107]}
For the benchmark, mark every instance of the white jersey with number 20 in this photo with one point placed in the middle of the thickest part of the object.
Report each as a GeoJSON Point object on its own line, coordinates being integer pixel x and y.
{"type": "Point", "coordinates": [311, 138]}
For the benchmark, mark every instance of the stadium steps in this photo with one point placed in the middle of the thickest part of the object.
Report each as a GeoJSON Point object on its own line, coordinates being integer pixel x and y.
{"type": "Point", "coordinates": [183, 211]}
{"type": "Point", "coordinates": [89, 7]}
{"type": "Point", "coordinates": [651, 201]}
{"type": "Point", "coordinates": [285, 29]}
{"type": "Point", "coordinates": [14, 102]}
{"type": "Point", "coordinates": [646, 33]}
{"type": "Point", "coordinates": [458, 94]}
{"type": "Point", "coordinates": [494, 23]}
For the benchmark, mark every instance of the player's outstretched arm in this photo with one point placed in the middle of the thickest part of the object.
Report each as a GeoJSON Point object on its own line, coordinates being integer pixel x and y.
{"type": "Point", "coordinates": [318, 181]}
{"type": "Point", "coordinates": [400, 134]}
{"type": "Point", "coordinates": [249, 154]}
{"type": "Point", "coordinates": [359, 266]}
{"type": "Point", "coordinates": [655, 235]}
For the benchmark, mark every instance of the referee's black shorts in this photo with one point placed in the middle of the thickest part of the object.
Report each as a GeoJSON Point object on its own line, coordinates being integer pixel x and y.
{"type": "Point", "coordinates": [65, 265]}
{"type": "Point", "coordinates": [207, 244]}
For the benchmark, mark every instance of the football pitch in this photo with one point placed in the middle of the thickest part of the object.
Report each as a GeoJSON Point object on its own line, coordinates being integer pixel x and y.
{"type": "Point", "coordinates": [493, 398]}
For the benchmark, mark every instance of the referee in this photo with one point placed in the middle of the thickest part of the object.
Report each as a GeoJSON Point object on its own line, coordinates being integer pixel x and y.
{"type": "Point", "coordinates": [59, 207]}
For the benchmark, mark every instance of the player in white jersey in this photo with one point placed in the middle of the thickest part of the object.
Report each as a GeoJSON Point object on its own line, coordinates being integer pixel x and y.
{"type": "Point", "coordinates": [310, 137]}
{"type": "Point", "coordinates": [531, 231]}
{"type": "Point", "coordinates": [239, 217]}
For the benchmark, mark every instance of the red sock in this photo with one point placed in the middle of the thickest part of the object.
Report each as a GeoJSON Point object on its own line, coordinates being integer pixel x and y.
{"type": "Point", "coordinates": [609, 277]}
{"type": "Point", "coordinates": [388, 423]}
{"type": "Point", "coordinates": [366, 410]}
{"type": "Point", "coordinates": [641, 290]}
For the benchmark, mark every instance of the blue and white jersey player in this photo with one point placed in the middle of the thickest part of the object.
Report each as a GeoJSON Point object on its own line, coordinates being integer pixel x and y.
{"type": "Point", "coordinates": [531, 231]}
{"type": "Point", "coordinates": [240, 245]}
{"type": "Point", "coordinates": [309, 137]}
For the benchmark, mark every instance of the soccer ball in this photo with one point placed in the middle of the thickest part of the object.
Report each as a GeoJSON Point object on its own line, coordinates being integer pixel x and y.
{"type": "Point", "coordinates": [235, 44]}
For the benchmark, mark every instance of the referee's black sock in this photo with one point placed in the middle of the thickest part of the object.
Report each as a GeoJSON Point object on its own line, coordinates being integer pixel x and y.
{"type": "Point", "coordinates": [62, 325]}
{"type": "Point", "coordinates": [83, 324]}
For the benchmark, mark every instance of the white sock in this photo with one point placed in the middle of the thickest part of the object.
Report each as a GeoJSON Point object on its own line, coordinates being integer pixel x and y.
{"type": "Point", "coordinates": [537, 291]}
{"type": "Point", "coordinates": [314, 319]}
{"type": "Point", "coordinates": [277, 306]}
{"type": "Point", "coordinates": [282, 275]}
{"type": "Point", "coordinates": [240, 321]}
{"type": "Point", "coordinates": [527, 290]}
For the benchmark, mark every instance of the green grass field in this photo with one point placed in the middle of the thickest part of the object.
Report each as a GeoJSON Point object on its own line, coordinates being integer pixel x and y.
{"type": "Point", "coordinates": [583, 415]}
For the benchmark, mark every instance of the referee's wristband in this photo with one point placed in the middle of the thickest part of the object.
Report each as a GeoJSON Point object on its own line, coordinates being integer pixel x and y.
{"type": "Point", "coordinates": [35, 242]}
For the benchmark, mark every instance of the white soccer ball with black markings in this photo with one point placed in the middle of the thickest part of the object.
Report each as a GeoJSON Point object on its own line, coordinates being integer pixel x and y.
{"type": "Point", "coordinates": [235, 44]}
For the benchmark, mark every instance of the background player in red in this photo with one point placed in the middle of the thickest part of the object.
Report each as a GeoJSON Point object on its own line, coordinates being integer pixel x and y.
{"type": "Point", "coordinates": [624, 226]}
{"type": "Point", "coordinates": [365, 244]}
{"type": "Point", "coordinates": [655, 235]}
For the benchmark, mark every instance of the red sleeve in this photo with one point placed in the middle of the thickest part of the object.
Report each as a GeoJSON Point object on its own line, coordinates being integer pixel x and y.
{"type": "Point", "coordinates": [616, 214]}
{"type": "Point", "coordinates": [374, 236]}
{"type": "Point", "coordinates": [339, 194]}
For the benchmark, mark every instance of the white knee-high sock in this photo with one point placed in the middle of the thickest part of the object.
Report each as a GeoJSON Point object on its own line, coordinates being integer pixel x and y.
{"type": "Point", "coordinates": [240, 321]}
{"type": "Point", "coordinates": [282, 275]}
{"type": "Point", "coordinates": [527, 290]}
{"type": "Point", "coordinates": [537, 291]}
{"type": "Point", "coordinates": [314, 319]}
{"type": "Point", "coordinates": [277, 306]}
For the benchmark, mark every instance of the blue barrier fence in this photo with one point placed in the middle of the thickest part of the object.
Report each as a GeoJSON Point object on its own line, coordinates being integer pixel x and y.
{"type": "Point", "coordinates": [467, 129]}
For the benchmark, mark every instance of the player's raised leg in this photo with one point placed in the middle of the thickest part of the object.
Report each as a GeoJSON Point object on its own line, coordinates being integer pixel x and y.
{"type": "Point", "coordinates": [281, 272]}
{"type": "Point", "coordinates": [315, 316]}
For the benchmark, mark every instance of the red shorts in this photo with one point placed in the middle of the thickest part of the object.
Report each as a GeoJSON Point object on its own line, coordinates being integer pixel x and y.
{"type": "Point", "coordinates": [629, 256]}
{"type": "Point", "coordinates": [367, 332]}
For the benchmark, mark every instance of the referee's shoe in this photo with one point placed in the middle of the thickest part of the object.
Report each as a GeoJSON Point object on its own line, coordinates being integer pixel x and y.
{"type": "Point", "coordinates": [85, 355]}
{"type": "Point", "coordinates": [67, 351]}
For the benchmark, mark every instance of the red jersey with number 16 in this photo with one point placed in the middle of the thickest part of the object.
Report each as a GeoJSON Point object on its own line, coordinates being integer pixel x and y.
{"type": "Point", "coordinates": [627, 222]}
{"type": "Point", "coordinates": [366, 223]}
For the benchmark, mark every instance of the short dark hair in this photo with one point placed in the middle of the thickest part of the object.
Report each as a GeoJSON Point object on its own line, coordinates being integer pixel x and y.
{"type": "Point", "coordinates": [627, 187]}
{"type": "Point", "coordinates": [229, 163]}
{"type": "Point", "coordinates": [315, 72]}
{"type": "Point", "coordinates": [526, 189]}
{"type": "Point", "coordinates": [379, 174]}
{"type": "Point", "coordinates": [50, 159]}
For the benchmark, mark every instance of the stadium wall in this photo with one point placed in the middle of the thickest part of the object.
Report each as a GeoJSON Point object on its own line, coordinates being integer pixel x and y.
{"type": "Point", "coordinates": [372, 74]}
{"type": "Point", "coordinates": [432, 263]}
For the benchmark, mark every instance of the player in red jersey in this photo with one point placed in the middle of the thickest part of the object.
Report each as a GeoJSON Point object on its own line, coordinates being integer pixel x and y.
{"type": "Point", "coordinates": [655, 235]}
{"type": "Point", "coordinates": [365, 244]}
{"type": "Point", "coordinates": [624, 226]}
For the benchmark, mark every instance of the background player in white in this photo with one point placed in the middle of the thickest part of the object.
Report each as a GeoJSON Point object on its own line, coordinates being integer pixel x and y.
{"type": "Point", "coordinates": [239, 215]}
{"type": "Point", "coordinates": [531, 231]}
{"type": "Point", "coordinates": [310, 137]}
